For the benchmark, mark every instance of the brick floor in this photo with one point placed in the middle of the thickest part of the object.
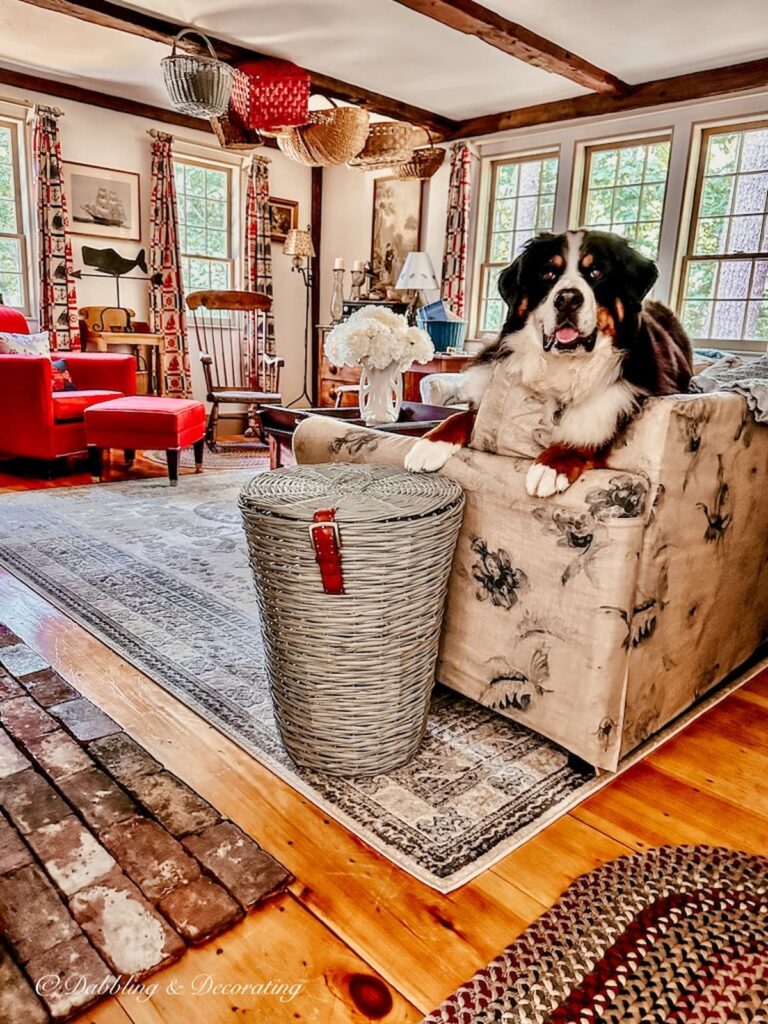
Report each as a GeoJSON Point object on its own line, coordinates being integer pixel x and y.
{"type": "Point", "coordinates": [125, 928]}
{"type": "Point", "coordinates": [97, 798]}
{"type": "Point", "coordinates": [173, 803]}
{"type": "Point", "coordinates": [155, 861]}
{"type": "Point", "coordinates": [84, 720]}
{"type": "Point", "coordinates": [30, 801]}
{"type": "Point", "coordinates": [71, 977]}
{"type": "Point", "coordinates": [18, 1002]}
{"type": "Point", "coordinates": [11, 758]}
{"type": "Point", "coordinates": [89, 843]}
{"type": "Point", "coordinates": [71, 855]}
{"type": "Point", "coordinates": [32, 914]}
{"type": "Point", "coordinates": [24, 719]}
{"type": "Point", "coordinates": [247, 871]}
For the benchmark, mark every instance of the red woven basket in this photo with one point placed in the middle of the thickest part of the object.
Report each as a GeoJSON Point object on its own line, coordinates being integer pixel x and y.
{"type": "Point", "coordinates": [271, 94]}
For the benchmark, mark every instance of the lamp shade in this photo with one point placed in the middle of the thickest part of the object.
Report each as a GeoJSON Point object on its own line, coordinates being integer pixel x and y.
{"type": "Point", "coordinates": [417, 273]}
{"type": "Point", "coordinates": [299, 243]}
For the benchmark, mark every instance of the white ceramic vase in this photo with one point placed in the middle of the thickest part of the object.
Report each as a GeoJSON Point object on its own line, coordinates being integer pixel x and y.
{"type": "Point", "coordinates": [381, 393]}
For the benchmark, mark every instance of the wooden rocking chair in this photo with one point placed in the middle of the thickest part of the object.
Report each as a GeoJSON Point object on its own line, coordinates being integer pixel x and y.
{"type": "Point", "coordinates": [231, 331]}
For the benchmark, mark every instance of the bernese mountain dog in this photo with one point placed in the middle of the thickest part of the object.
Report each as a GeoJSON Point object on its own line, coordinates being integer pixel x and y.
{"type": "Point", "coordinates": [579, 334]}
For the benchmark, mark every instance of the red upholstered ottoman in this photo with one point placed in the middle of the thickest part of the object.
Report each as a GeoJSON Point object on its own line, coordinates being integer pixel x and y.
{"type": "Point", "coordinates": [144, 421]}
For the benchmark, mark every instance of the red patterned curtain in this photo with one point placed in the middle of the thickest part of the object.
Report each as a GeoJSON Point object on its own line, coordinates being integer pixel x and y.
{"type": "Point", "coordinates": [258, 242]}
{"type": "Point", "coordinates": [58, 296]}
{"type": "Point", "coordinates": [457, 228]}
{"type": "Point", "coordinates": [166, 290]}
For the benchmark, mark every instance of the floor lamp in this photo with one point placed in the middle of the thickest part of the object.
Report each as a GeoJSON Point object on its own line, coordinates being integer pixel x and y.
{"type": "Point", "coordinates": [298, 244]}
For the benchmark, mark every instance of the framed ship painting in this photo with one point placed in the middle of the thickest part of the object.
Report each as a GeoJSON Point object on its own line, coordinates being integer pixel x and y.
{"type": "Point", "coordinates": [396, 227]}
{"type": "Point", "coordinates": [102, 203]}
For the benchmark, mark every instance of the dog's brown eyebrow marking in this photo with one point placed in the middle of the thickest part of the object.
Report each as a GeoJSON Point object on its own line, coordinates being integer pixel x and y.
{"type": "Point", "coordinates": [588, 260]}
{"type": "Point", "coordinates": [557, 261]}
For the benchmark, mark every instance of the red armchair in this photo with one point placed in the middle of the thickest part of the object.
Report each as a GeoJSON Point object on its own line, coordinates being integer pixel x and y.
{"type": "Point", "coordinates": [40, 424]}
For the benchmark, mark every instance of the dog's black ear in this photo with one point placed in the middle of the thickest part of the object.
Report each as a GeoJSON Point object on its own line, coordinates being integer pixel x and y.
{"type": "Point", "coordinates": [510, 289]}
{"type": "Point", "coordinates": [640, 274]}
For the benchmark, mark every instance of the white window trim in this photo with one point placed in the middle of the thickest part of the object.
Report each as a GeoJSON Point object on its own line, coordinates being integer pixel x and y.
{"type": "Point", "coordinates": [235, 164]}
{"type": "Point", "coordinates": [687, 213]}
{"type": "Point", "coordinates": [17, 114]}
{"type": "Point", "coordinates": [482, 228]}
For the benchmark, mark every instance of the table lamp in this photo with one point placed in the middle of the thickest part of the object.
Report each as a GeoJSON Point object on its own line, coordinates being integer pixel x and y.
{"type": "Point", "coordinates": [417, 276]}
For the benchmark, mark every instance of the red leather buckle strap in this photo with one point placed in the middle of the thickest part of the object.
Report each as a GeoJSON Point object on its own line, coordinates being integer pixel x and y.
{"type": "Point", "coordinates": [324, 533]}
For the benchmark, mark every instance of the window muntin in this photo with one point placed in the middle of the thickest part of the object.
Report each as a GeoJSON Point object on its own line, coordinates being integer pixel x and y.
{"type": "Point", "coordinates": [204, 198]}
{"type": "Point", "coordinates": [13, 254]}
{"type": "Point", "coordinates": [725, 270]}
{"type": "Point", "coordinates": [624, 189]}
{"type": "Point", "coordinates": [522, 204]}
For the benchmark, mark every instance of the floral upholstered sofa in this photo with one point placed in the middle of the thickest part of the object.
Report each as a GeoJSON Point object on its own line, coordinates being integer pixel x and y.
{"type": "Point", "coordinates": [597, 616]}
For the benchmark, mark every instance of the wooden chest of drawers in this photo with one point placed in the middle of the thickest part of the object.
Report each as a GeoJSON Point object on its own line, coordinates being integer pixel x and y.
{"type": "Point", "coordinates": [336, 383]}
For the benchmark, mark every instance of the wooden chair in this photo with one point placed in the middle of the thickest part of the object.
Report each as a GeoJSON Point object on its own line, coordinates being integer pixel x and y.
{"type": "Point", "coordinates": [231, 331]}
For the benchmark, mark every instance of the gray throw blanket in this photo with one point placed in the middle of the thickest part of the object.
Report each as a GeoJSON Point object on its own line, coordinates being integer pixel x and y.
{"type": "Point", "coordinates": [747, 377]}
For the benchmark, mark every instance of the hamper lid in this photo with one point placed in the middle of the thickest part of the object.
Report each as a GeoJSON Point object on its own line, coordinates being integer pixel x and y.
{"type": "Point", "coordinates": [364, 493]}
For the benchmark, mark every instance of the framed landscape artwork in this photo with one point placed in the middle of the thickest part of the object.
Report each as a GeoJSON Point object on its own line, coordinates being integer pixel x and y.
{"type": "Point", "coordinates": [283, 215]}
{"type": "Point", "coordinates": [102, 202]}
{"type": "Point", "coordinates": [396, 226]}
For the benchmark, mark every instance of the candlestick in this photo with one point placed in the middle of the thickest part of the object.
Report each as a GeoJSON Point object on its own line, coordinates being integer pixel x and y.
{"type": "Point", "coordinates": [337, 296]}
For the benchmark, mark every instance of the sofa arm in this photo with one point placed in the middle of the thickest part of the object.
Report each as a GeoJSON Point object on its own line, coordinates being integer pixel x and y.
{"type": "Point", "coordinates": [102, 371]}
{"type": "Point", "coordinates": [25, 392]}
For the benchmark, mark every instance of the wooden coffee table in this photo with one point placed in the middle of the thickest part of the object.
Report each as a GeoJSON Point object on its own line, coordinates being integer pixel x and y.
{"type": "Point", "coordinates": [279, 423]}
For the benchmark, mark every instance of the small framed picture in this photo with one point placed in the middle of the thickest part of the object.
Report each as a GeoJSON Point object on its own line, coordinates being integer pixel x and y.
{"type": "Point", "coordinates": [283, 216]}
{"type": "Point", "coordinates": [102, 202]}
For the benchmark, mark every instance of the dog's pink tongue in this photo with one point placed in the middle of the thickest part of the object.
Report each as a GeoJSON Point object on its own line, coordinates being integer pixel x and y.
{"type": "Point", "coordinates": [566, 335]}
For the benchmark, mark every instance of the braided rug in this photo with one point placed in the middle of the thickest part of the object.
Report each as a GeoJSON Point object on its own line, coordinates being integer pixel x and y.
{"type": "Point", "coordinates": [678, 933]}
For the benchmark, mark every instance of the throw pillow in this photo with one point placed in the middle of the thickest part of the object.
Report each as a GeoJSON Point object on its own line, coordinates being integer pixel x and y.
{"type": "Point", "coordinates": [61, 379]}
{"type": "Point", "coordinates": [25, 344]}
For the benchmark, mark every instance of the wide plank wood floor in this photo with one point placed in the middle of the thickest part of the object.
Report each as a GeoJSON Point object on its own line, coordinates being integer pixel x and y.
{"type": "Point", "coordinates": [352, 915]}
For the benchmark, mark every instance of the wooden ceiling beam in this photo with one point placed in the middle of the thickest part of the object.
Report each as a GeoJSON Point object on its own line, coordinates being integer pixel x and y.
{"type": "Point", "coordinates": [679, 89]}
{"type": "Point", "coordinates": [107, 14]}
{"type": "Point", "coordinates": [475, 20]}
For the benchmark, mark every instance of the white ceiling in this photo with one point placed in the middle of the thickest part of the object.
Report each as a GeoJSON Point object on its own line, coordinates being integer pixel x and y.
{"type": "Point", "coordinates": [384, 47]}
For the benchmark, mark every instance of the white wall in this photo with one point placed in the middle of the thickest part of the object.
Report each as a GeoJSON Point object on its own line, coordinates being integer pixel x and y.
{"type": "Point", "coordinates": [100, 137]}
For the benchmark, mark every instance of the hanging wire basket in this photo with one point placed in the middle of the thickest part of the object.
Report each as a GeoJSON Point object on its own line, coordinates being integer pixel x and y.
{"type": "Point", "coordinates": [388, 143]}
{"type": "Point", "coordinates": [330, 137]}
{"type": "Point", "coordinates": [197, 85]}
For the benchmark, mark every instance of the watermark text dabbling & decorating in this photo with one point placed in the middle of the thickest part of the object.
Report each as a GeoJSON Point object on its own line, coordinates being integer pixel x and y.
{"type": "Point", "coordinates": [143, 991]}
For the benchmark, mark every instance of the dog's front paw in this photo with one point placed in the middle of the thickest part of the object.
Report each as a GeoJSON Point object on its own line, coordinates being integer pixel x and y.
{"type": "Point", "coordinates": [429, 456]}
{"type": "Point", "coordinates": [543, 481]}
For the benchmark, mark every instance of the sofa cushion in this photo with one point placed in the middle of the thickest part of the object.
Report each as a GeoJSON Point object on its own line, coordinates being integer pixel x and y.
{"type": "Point", "coordinates": [61, 378]}
{"type": "Point", "coordinates": [24, 344]}
{"type": "Point", "coordinates": [69, 406]}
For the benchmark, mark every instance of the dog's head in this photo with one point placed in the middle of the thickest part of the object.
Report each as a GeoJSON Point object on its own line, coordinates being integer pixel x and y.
{"type": "Point", "coordinates": [576, 287]}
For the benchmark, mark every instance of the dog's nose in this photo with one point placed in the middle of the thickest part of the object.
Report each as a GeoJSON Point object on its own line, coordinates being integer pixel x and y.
{"type": "Point", "coordinates": [568, 300]}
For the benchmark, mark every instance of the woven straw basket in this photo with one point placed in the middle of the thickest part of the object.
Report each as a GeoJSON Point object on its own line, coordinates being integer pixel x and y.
{"type": "Point", "coordinates": [422, 165]}
{"type": "Point", "coordinates": [197, 85]}
{"type": "Point", "coordinates": [351, 674]}
{"type": "Point", "coordinates": [389, 142]}
{"type": "Point", "coordinates": [330, 137]}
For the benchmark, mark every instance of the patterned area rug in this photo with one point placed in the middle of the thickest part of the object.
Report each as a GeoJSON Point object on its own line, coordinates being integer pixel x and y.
{"type": "Point", "coordinates": [102, 852]}
{"type": "Point", "coordinates": [232, 457]}
{"type": "Point", "coordinates": [672, 934]}
{"type": "Point", "coordinates": [162, 576]}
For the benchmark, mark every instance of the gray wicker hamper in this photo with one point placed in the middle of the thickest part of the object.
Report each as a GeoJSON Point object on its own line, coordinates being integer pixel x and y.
{"type": "Point", "coordinates": [351, 672]}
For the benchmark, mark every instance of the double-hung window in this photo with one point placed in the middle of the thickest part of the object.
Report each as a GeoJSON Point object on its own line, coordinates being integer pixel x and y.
{"type": "Point", "coordinates": [522, 203]}
{"type": "Point", "coordinates": [725, 270]}
{"type": "Point", "coordinates": [623, 190]}
{"type": "Point", "coordinates": [13, 253]}
{"type": "Point", "coordinates": [204, 198]}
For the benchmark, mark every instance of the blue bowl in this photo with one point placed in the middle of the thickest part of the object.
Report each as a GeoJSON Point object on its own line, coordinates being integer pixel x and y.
{"type": "Point", "coordinates": [445, 334]}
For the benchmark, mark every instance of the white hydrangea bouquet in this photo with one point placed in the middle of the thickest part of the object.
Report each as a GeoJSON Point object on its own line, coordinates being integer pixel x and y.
{"type": "Point", "coordinates": [385, 346]}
